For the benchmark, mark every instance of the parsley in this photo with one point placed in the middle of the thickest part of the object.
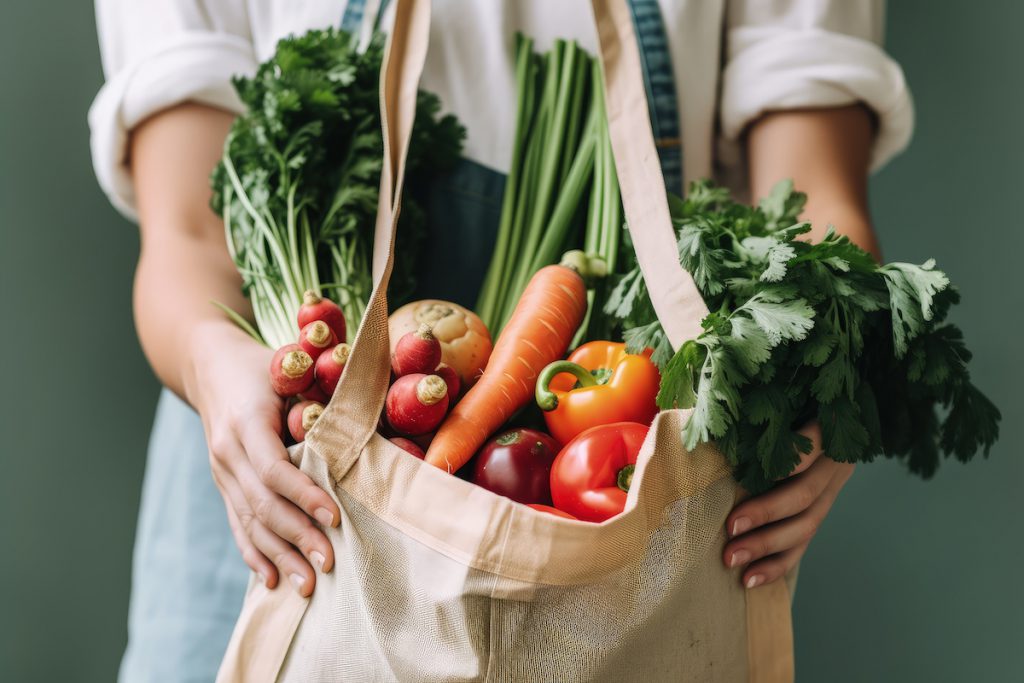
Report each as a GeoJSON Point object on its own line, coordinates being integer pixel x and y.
{"type": "Point", "coordinates": [800, 330]}
{"type": "Point", "coordinates": [297, 183]}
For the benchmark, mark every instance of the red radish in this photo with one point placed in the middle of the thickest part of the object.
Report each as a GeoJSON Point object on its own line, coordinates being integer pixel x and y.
{"type": "Point", "coordinates": [329, 366]}
{"type": "Point", "coordinates": [383, 428]}
{"type": "Point", "coordinates": [317, 308]}
{"type": "Point", "coordinates": [291, 370]}
{"type": "Point", "coordinates": [417, 352]}
{"type": "Point", "coordinates": [451, 378]}
{"type": "Point", "coordinates": [407, 446]}
{"type": "Point", "coordinates": [302, 417]}
{"type": "Point", "coordinates": [416, 404]}
{"type": "Point", "coordinates": [315, 393]}
{"type": "Point", "coordinates": [423, 440]}
{"type": "Point", "coordinates": [316, 337]}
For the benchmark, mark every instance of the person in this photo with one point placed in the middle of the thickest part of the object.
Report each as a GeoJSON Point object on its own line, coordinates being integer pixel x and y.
{"type": "Point", "coordinates": [747, 91]}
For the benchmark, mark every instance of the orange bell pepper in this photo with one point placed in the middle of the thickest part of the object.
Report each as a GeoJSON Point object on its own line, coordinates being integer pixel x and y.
{"type": "Point", "coordinates": [599, 384]}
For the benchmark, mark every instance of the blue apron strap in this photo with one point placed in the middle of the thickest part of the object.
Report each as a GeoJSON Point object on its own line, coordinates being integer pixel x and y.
{"type": "Point", "coordinates": [661, 89]}
{"type": "Point", "coordinates": [352, 20]}
{"type": "Point", "coordinates": [380, 13]}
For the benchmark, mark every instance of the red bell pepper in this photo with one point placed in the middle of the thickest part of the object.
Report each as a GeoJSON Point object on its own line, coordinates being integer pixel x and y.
{"type": "Point", "coordinates": [599, 384]}
{"type": "Point", "coordinates": [592, 474]}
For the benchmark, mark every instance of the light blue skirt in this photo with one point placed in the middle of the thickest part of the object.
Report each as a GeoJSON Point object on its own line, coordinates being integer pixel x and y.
{"type": "Point", "coordinates": [188, 578]}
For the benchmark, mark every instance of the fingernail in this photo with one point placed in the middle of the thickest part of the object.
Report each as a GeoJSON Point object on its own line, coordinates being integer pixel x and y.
{"type": "Point", "coordinates": [297, 581]}
{"type": "Point", "coordinates": [324, 516]}
{"type": "Point", "coordinates": [739, 557]}
{"type": "Point", "coordinates": [741, 525]}
{"type": "Point", "coordinates": [754, 581]}
{"type": "Point", "coordinates": [318, 560]}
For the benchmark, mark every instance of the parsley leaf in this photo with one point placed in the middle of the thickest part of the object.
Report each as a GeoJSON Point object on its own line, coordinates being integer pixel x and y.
{"type": "Point", "coordinates": [802, 330]}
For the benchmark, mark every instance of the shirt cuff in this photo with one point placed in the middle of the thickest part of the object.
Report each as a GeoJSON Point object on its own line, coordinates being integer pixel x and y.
{"type": "Point", "coordinates": [816, 68]}
{"type": "Point", "coordinates": [196, 66]}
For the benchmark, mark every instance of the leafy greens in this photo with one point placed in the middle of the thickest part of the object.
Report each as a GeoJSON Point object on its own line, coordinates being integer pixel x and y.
{"type": "Point", "coordinates": [298, 181]}
{"type": "Point", "coordinates": [802, 330]}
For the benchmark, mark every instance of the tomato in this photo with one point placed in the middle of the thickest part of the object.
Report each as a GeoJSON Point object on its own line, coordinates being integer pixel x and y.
{"type": "Point", "coordinates": [591, 476]}
{"type": "Point", "coordinates": [550, 510]}
{"type": "Point", "coordinates": [517, 464]}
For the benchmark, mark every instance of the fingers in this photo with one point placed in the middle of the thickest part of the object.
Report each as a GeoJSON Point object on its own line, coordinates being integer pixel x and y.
{"type": "Point", "coordinates": [270, 461]}
{"type": "Point", "coordinates": [772, 539]}
{"type": "Point", "coordinates": [267, 526]}
{"type": "Point", "coordinates": [774, 567]}
{"type": "Point", "coordinates": [791, 497]}
{"type": "Point", "coordinates": [256, 560]}
{"type": "Point", "coordinates": [288, 560]}
{"type": "Point", "coordinates": [774, 549]}
{"type": "Point", "coordinates": [279, 516]}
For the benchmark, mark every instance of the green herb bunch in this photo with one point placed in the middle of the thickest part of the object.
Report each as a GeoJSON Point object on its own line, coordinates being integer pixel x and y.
{"type": "Point", "coordinates": [802, 330]}
{"type": "Point", "coordinates": [298, 181]}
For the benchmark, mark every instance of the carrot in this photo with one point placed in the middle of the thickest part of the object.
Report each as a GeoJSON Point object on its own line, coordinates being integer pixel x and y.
{"type": "Point", "coordinates": [539, 331]}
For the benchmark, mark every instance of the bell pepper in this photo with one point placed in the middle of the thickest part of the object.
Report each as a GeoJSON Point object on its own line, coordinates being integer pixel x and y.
{"type": "Point", "coordinates": [599, 384]}
{"type": "Point", "coordinates": [592, 474]}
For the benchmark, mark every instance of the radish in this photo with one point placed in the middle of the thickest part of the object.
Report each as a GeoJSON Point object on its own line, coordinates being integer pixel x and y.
{"type": "Point", "coordinates": [316, 337]}
{"type": "Point", "coordinates": [407, 445]}
{"type": "Point", "coordinates": [416, 404]}
{"type": "Point", "coordinates": [329, 366]}
{"type": "Point", "coordinates": [315, 307]}
{"type": "Point", "coordinates": [417, 352]}
{"type": "Point", "coordinates": [465, 342]}
{"type": "Point", "coordinates": [315, 393]}
{"type": "Point", "coordinates": [291, 370]}
{"type": "Point", "coordinates": [302, 417]}
{"type": "Point", "coordinates": [423, 440]}
{"type": "Point", "coordinates": [451, 378]}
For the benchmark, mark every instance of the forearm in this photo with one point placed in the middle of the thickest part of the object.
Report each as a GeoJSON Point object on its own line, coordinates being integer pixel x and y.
{"type": "Point", "coordinates": [826, 152]}
{"type": "Point", "coordinates": [184, 262]}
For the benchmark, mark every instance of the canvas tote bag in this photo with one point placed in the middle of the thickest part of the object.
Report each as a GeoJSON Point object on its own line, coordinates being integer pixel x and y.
{"type": "Point", "coordinates": [437, 579]}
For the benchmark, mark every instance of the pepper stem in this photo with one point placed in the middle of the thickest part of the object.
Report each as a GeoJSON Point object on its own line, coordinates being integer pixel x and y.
{"type": "Point", "coordinates": [625, 478]}
{"type": "Point", "coordinates": [547, 400]}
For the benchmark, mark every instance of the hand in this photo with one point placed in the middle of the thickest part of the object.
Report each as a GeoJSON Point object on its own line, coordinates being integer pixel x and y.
{"type": "Point", "coordinates": [269, 501]}
{"type": "Point", "coordinates": [770, 532]}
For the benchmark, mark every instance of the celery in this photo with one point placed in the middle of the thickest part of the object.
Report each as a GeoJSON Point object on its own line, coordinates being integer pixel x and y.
{"type": "Point", "coordinates": [562, 174]}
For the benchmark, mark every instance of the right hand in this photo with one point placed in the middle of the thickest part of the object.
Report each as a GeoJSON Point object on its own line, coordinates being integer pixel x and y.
{"type": "Point", "coordinates": [269, 501]}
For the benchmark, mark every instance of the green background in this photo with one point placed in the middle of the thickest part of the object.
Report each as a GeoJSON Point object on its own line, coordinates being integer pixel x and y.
{"type": "Point", "coordinates": [907, 581]}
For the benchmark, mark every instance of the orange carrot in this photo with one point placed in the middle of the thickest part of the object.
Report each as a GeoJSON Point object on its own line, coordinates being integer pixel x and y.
{"type": "Point", "coordinates": [539, 331]}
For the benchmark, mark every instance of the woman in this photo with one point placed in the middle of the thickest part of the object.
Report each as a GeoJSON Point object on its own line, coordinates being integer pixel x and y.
{"type": "Point", "coordinates": [760, 89]}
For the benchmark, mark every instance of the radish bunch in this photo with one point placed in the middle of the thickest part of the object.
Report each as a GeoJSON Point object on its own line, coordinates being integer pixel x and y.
{"type": "Point", "coordinates": [423, 391]}
{"type": "Point", "coordinates": [308, 371]}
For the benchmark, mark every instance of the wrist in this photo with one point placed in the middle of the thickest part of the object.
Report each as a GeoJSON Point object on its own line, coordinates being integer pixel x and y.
{"type": "Point", "coordinates": [204, 343]}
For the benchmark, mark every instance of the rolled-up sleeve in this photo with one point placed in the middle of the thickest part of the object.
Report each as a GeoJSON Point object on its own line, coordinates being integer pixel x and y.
{"type": "Point", "coordinates": [156, 54]}
{"type": "Point", "coordinates": [792, 54]}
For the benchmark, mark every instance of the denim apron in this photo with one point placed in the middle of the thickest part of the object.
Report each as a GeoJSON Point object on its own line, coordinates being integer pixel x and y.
{"type": "Point", "coordinates": [188, 578]}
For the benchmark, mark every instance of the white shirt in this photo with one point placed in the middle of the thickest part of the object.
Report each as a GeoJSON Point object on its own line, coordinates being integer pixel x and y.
{"type": "Point", "coordinates": [732, 60]}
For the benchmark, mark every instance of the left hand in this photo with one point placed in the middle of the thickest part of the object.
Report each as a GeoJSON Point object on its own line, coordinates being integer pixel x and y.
{"type": "Point", "coordinates": [769, 533]}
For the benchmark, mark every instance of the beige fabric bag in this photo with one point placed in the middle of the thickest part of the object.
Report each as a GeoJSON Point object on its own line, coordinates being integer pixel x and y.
{"type": "Point", "coordinates": [440, 580]}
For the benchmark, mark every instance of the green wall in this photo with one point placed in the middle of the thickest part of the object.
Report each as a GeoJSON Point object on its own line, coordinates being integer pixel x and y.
{"type": "Point", "coordinates": [906, 582]}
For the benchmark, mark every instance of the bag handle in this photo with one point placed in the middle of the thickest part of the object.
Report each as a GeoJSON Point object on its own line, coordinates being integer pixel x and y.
{"type": "Point", "coordinates": [350, 417]}
{"type": "Point", "coordinates": [352, 414]}
{"type": "Point", "coordinates": [677, 302]}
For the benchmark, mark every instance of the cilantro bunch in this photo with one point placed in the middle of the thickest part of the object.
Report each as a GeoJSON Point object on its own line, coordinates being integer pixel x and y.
{"type": "Point", "coordinates": [298, 181]}
{"type": "Point", "coordinates": [802, 330]}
